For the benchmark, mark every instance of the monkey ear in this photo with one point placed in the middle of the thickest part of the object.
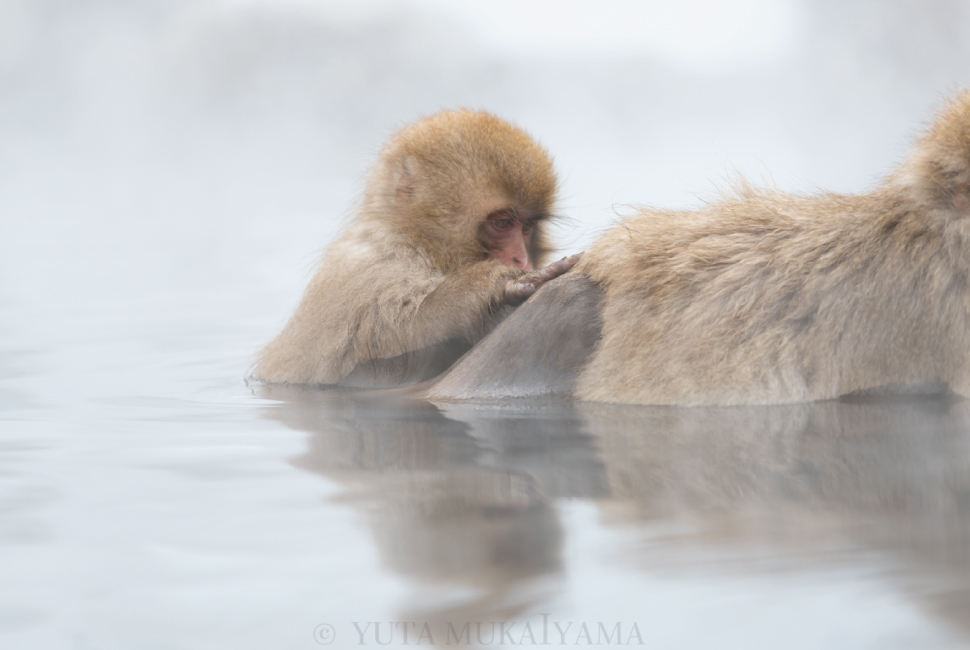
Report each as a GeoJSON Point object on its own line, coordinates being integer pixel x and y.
{"type": "Point", "coordinates": [405, 182]}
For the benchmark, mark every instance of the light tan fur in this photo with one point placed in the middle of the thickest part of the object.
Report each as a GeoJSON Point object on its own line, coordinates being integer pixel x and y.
{"type": "Point", "coordinates": [411, 272]}
{"type": "Point", "coordinates": [768, 298]}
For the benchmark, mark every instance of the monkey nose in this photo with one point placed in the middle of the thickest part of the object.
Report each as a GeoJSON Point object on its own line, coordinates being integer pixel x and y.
{"type": "Point", "coordinates": [515, 252]}
{"type": "Point", "coordinates": [518, 263]}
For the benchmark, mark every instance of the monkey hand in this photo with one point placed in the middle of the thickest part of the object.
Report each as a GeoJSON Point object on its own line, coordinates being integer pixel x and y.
{"type": "Point", "coordinates": [519, 289]}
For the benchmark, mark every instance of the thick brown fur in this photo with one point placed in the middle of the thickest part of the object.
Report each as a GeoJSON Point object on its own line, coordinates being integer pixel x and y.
{"type": "Point", "coordinates": [410, 280]}
{"type": "Point", "coordinates": [767, 298]}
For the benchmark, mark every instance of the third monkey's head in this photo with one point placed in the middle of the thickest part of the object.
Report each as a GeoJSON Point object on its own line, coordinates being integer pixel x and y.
{"type": "Point", "coordinates": [464, 186]}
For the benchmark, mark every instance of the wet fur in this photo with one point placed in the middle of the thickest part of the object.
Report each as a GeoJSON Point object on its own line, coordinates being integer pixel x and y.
{"type": "Point", "coordinates": [540, 350]}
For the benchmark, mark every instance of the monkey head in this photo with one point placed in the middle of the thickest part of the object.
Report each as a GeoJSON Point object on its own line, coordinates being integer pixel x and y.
{"type": "Point", "coordinates": [464, 186]}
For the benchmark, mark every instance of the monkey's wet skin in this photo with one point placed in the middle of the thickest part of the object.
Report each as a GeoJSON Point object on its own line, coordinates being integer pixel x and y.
{"type": "Point", "coordinates": [803, 521]}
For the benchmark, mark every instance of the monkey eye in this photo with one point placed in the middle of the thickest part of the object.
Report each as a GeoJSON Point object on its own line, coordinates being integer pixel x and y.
{"type": "Point", "coordinates": [501, 224]}
{"type": "Point", "coordinates": [527, 227]}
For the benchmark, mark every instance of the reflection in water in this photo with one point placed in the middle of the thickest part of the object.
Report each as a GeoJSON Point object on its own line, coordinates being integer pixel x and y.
{"type": "Point", "coordinates": [450, 501]}
{"type": "Point", "coordinates": [787, 480]}
{"type": "Point", "coordinates": [466, 494]}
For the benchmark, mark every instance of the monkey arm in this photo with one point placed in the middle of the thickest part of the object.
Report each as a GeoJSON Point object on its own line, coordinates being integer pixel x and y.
{"type": "Point", "coordinates": [414, 331]}
{"type": "Point", "coordinates": [465, 304]}
{"type": "Point", "coordinates": [422, 333]}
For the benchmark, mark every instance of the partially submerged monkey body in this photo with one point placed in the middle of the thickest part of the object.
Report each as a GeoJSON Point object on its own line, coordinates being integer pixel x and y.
{"type": "Point", "coordinates": [446, 238]}
{"type": "Point", "coordinates": [767, 298]}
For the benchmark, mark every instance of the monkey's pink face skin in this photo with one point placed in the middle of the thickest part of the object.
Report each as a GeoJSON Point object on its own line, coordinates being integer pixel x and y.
{"type": "Point", "coordinates": [507, 236]}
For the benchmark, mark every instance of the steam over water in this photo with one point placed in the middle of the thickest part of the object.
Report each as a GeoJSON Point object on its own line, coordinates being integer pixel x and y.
{"type": "Point", "coordinates": [169, 172]}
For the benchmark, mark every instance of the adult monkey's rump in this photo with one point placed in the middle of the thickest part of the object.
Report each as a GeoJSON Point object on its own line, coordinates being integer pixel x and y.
{"type": "Point", "coordinates": [447, 237]}
{"type": "Point", "coordinates": [765, 297]}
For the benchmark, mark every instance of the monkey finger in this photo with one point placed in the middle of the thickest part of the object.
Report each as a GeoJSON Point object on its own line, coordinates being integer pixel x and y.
{"type": "Point", "coordinates": [516, 291]}
{"type": "Point", "coordinates": [555, 269]}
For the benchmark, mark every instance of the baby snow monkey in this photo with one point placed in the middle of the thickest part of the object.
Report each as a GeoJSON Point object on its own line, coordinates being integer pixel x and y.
{"type": "Point", "coordinates": [447, 238]}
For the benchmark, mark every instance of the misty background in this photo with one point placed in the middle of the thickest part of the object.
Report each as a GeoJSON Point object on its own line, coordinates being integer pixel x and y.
{"type": "Point", "coordinates": [194, 157]}
{"type": "Point", "coordinates": [170, 172]}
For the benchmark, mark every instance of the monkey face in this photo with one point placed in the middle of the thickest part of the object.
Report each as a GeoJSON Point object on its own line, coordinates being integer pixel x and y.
{"type": "Point", "coordinates": [507, 235]}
